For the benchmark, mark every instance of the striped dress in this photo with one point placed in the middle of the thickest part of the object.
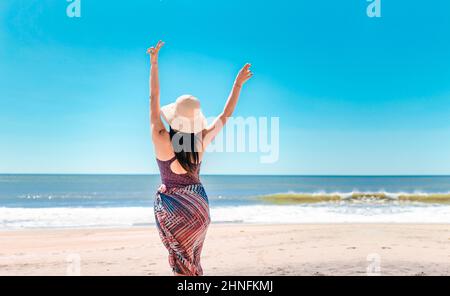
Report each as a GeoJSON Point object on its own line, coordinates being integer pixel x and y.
{"type": "Point", "coordinates": [182, 218]}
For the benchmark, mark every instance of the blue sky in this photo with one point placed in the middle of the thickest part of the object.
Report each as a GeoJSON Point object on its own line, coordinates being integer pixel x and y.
{"type": "Point", "coordinates": [355, 95]}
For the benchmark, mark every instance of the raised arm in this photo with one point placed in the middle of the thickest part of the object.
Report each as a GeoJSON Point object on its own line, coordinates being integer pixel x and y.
{"type": "Point", "coordinates": [157, 126]}
{"type": "Point", "coordinates": [211, 132]}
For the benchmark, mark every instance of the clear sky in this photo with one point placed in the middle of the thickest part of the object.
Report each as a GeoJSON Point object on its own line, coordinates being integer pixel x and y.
{"type": "Point", "coordinates": [355, 95]}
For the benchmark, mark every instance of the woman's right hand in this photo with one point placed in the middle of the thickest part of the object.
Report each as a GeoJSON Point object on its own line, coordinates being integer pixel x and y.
{"type": "Point", "coordinates": [162, 188]}
{"type": "Point", "coordinates": [244, 75]}
{"type": "Point", "coordinates": [154, 51]}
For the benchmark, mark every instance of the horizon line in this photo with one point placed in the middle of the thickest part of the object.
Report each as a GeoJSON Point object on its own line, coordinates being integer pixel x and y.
{"type": "Point", "coordinates": [229, 175]}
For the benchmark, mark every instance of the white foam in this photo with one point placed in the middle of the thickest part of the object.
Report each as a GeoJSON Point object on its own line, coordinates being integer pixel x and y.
{"type": "Point", "coordinates": [16, 218]}
{"type": "Point", "coordinates": [20, 218]}
{"type": "Point", "coordinates": [333, 214]}
{"type": "Point", "coordinates": [350, 194]}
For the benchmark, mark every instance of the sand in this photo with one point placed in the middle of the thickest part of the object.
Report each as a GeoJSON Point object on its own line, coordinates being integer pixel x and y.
{"type": "Point", "coordinates": [344, 249]}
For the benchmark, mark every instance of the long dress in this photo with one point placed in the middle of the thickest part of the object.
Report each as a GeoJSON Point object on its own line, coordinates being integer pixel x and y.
{"type": "Point", "coordinates": [182, 218]}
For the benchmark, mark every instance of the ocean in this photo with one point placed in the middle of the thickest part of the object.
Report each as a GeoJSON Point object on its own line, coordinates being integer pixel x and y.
{"type": "Point", "coordinates": [77, 201]}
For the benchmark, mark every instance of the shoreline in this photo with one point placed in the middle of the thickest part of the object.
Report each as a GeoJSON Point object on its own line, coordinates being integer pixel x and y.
{"type": "Point", "coordinates": [214, 224]}
{"type": "Point", "coordinates": [251, 249]}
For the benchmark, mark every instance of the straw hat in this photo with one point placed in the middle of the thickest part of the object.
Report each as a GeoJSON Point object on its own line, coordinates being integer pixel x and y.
{"type": "Point", "coordinates": [185, 115]}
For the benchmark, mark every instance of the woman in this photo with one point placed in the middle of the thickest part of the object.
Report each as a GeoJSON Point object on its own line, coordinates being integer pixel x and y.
{"type": "Point", "coordinates": [181, 204]}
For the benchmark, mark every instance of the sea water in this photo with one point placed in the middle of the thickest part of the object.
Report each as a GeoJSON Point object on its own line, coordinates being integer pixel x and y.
{"type": "Point", "coordinates": [66, 201]}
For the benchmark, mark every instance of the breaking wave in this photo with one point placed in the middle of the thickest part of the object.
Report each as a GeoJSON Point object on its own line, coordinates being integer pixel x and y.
{"type": "Point", "coordinates": [379, 197]}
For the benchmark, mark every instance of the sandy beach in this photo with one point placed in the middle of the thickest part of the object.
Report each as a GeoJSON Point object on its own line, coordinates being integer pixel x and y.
{"type": "Point", "coordinates": [239, 249]}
